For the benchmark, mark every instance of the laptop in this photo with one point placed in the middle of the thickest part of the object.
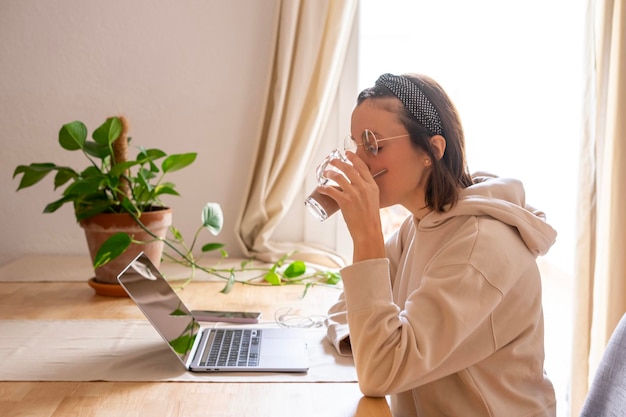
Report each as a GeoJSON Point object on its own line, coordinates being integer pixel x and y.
{"type": "Point", "coordinates": [205, 349]}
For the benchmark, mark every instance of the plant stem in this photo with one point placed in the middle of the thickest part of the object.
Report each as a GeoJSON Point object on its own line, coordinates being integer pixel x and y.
{"type": "Point", "coordinates": [187, 259]}
{"type": "Point", "coordinates": [120, 155]}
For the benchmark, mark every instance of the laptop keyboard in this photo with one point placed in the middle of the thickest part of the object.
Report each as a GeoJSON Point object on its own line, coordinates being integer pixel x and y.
{"type": "Point", "coordinates": [232, 347]}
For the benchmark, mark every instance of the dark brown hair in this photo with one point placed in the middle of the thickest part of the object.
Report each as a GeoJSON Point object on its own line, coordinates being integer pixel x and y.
{"type": "Point", "coordinates": [450, 173]}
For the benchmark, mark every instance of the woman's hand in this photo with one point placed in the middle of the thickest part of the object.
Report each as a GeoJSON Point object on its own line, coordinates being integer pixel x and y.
{"type": "Point", "coordinates": [358, 198]}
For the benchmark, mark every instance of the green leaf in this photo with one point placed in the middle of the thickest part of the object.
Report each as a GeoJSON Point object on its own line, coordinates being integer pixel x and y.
{"type": "Point", "coordinates": [130, 208]}
{"type": "Point", "coordinates": [32, 173]}
{"type": "Point", "coordinates": [63, 176]}
{"type": "Point", "coordinates": [142, 188]}
{"type": "Point", "coordinates": [213, 218]}
{"type": "Point", "coordinates": [146, 175]}
{"type": "Point", "coordinates": [146, 155]}
{"type": "Point", "coordinates": [55, 205]}
{"type": "Point", "coordinates": [272, 277]}
{"type": "Point", "coordinates": [332, 278]}
{"type": "Point", "coordinates": [112, 248]}
{"type": "Point", "coordinates": [120, 168]}
{"type": "Point", "coordinates": [72, 135]}
{"type": "Point", "coordinates": [229, 283]}
{"type": "Point", "coordinates": [108, 131]}
{"type": "Point", "coordinates": [179, 161]}
{"type": "Point", "coordinates": [97, 150]}
{"type": "Point", "coordinates": [306, 289]}
{"type": "Point", "coordinates": [165, 189]}
{"type": "Point", "coordinates": [211, 247]}
{"type": "Point", "coordinates": [92, 171]}
{"type": "Point", "coordinates": [83, 186]}
{"type": "Point", "coordinates": [85, 210]}
{"type": "Point", "coordinates": [295, 269]}
{"type": "Point", "coordinates": [176, 233]}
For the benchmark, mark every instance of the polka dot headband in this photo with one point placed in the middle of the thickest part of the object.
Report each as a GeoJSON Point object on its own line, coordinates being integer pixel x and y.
{"type": "Point", "coordinates": [414, 100]}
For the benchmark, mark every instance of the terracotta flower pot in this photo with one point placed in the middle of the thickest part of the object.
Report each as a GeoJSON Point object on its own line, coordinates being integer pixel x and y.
{"type": "Point", "coordinates": [100, 227]}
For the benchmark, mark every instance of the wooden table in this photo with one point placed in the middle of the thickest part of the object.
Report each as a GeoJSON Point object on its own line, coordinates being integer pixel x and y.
{"type": "Point", "coordinates": [76, 300]}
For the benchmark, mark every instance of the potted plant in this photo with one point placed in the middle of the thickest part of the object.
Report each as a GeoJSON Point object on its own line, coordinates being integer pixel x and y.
{"type": "Point", "coordinates": [117, 201]}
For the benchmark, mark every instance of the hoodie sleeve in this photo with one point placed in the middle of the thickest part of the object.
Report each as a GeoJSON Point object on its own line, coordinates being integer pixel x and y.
{"type": "Point", "coordinates": [337, 330]}
{"type": "Point", "coordinates": [337, 325]}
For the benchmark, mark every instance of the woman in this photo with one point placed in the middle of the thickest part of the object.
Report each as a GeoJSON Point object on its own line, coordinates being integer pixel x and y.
{"type": "Point", "coordinates": [446, 316]}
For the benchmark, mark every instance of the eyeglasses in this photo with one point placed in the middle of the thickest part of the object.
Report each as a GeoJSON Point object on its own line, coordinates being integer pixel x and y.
{"type": "Point", "coordinates": [369, 141]}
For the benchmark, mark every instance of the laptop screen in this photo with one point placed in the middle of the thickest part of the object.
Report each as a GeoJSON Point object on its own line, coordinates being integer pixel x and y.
{"type": "Point", "coordinates": [160, 304]}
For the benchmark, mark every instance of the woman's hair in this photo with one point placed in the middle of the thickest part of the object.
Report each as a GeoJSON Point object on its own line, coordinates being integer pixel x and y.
{"type": "Point", "coordinates": [450, 173]}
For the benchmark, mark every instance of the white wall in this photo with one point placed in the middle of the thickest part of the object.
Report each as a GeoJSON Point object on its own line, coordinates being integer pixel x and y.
{"type": "Point", "coordinates": [188, 75]}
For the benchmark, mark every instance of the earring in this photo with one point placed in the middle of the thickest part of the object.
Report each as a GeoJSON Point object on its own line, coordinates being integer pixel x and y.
{"type": "Point", "coordinates": [427, 162]}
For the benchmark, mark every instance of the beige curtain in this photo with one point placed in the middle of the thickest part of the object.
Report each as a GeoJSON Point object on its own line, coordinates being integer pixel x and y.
{"type": "Point", "coordinates": [311, 41]}
{"type": "Point", "coordinates": [601, 240]}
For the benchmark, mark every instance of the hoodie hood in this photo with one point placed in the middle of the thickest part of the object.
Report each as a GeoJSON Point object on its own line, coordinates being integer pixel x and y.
{"type": "Point", "coordinates": [503, 199]}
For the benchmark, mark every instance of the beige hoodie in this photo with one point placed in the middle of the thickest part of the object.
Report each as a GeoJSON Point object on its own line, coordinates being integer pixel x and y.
{"type": "Point", "coordinates": [451, 322]}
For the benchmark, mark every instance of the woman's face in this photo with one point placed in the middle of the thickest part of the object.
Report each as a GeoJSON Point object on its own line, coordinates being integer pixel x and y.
{"type": "Point", "coordinates": [407, 172]}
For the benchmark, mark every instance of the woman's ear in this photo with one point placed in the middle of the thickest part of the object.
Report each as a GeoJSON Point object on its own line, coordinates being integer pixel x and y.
{"type": "Point", "coordinates": [438, 143]}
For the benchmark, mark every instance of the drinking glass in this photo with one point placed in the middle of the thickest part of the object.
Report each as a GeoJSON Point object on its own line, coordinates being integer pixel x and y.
{"type": "Point", "coordinates": [320, 205]}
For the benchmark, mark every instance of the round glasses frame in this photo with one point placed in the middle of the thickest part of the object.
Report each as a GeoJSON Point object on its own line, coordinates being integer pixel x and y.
{"type": "Point", "coordinates": [369, 141]}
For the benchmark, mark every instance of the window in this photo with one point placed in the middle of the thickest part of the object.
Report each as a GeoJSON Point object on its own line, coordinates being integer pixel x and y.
{"type": "Point", "coordinates": [514, 71]}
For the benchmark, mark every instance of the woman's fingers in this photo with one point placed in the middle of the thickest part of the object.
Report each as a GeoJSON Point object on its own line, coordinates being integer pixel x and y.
{"type": "Point", "coordinates": [359, 165]}
{"type": "Point", "coordinates": [357, 189]}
